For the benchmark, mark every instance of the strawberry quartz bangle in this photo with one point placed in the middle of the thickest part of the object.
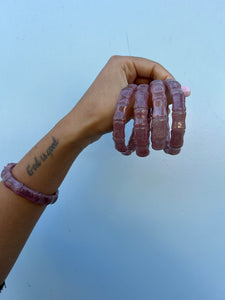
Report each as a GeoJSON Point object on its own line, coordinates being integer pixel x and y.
{"type": "Point", "coordinates": [24, 191]}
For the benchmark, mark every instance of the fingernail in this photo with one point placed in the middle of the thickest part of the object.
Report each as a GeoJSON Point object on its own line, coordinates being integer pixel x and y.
{"type": "Point", "coordinates": [186, 90]}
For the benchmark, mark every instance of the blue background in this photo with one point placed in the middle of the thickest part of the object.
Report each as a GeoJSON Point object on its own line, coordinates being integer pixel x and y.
{"type": "Point", "coordinates": [123, 227]}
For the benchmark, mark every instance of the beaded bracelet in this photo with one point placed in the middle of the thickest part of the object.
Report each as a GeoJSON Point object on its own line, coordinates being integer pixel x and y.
{"type": "Point", "coordinates": [24, 191]}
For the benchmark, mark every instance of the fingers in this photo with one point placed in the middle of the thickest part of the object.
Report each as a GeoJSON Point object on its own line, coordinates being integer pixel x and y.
{"type": "Point", "coordinates": [149, 69]}
{"type": "Point", "coordinates": [141, 120]}
{"type": "Point", "coordinates": [141, 70]}
{"type": "Point", "coordinates": [141, 80]}
{"type": "Point", "coordinates": [119, 120]}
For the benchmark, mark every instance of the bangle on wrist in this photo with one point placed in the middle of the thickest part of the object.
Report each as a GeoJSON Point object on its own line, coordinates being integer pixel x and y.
{"type": "Point", "coordinates": [24, 191]}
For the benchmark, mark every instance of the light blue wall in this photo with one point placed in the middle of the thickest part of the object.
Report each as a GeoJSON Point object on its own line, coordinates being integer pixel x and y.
{"type": "Point", "coordinates": [124, 228]}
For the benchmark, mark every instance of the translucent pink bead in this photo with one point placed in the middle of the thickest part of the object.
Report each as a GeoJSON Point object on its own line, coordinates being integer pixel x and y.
{"type": "Point", "coordinates": [141, 120]}
{"type": "Point", "coordinates": [119, 121]}
{"type": "Point", "coordinates": [159, 116]}
{"type": "Point", "coordinates": [175, 142]}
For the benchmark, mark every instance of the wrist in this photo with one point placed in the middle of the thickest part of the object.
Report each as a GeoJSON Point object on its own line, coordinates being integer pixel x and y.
{"type": "Point", "coordinates": [80, 126]}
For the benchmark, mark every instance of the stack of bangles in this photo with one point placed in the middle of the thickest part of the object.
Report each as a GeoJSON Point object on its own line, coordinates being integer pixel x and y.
{"type": "Point", "coordinates": [147, 119]}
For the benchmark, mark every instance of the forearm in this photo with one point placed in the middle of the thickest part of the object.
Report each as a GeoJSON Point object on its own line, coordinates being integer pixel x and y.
{"type": "Point", "coordinates": [43, 169]}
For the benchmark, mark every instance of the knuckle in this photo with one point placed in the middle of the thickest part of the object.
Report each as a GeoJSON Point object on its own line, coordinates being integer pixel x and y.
{"type": "Point", "coordinates": [118, 58]}
{"type": "Point", "coordinates": [115, 57]}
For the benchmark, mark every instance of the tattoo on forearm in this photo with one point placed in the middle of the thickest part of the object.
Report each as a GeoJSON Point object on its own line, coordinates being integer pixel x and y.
{"type": "Point", "coordinates": [42, 158]}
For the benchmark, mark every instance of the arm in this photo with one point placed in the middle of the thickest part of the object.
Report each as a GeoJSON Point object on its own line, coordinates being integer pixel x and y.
{"type": "Point", "coordinates": [18, 216]}
{"type": "Point", "coordinates": [85, 123]}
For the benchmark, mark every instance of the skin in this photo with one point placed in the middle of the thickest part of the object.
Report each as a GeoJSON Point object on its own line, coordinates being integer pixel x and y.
{"type": "Point", "coordinates": [90, 119]}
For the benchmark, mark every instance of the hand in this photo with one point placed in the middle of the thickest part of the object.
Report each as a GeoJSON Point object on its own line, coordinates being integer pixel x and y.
{"type": "Point", "coordinates": [101, 98]}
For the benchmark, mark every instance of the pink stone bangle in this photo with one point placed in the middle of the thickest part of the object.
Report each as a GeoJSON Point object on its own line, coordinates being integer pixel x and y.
{"type": "Point", "coordinates": [24, 191]}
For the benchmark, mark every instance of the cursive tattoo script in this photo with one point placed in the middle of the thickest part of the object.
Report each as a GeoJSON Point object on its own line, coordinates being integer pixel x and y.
{"type": "Point", "coordinates": [42, 158]}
